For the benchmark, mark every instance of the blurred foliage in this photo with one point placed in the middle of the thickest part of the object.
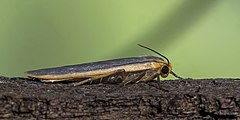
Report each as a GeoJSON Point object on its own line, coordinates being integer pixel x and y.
{"type": "Point", "coordinates": [200, 37]}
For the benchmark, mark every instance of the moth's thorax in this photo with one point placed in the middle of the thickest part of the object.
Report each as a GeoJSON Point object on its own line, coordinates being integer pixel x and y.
{"type": "Point", "coordinates": [156, 65]}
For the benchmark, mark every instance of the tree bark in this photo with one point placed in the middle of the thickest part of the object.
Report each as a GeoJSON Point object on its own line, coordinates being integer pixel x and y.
{"type": "Point", "coordinates": [22, 98]}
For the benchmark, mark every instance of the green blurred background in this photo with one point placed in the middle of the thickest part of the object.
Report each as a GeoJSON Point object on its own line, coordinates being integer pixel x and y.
{"type": "Point", "coordinates": [200, 37]}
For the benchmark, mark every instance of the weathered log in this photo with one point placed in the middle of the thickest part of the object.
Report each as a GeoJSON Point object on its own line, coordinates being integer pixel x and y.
{"type": "Point", "coordinates": [22, 98]}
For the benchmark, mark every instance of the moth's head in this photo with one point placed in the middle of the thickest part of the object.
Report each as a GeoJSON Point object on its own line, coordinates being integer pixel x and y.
{"type": "Point", "coordinates": [165, 69]}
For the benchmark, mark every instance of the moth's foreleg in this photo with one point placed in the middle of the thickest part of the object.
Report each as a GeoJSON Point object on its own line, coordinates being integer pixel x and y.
{"type": "Point", "coordinates": [142, 76]}
{"type": "Point", "coordinates": [149, 76]}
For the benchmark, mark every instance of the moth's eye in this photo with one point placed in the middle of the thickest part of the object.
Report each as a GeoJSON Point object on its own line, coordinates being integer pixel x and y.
{"type": "Point", "coordinates": [165, 70]}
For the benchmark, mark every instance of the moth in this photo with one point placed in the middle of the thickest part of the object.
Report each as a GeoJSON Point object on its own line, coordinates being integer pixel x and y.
{"type": "Point", "coordinates": [128, 70]}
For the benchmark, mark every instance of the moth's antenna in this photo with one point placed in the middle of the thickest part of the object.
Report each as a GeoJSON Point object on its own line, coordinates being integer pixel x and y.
{"type": "Point", "coordinates": [175, 75]}
{"type": "Point", "coordinates": [154, 52]}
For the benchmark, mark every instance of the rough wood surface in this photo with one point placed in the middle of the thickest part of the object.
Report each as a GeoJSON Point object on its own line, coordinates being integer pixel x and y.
{"type": "Point", "coordinates": [22, 98]}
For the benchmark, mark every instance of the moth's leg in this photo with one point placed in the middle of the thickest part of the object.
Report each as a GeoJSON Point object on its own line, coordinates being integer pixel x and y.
{"type": "Point", "coordinates": [53, 81]}
{"type": "Point", "coordinates": [148, 76]}
{"type": "Point", "coordinates": [158, 81]}
{"type": "Point", "coordinates": [129, 78]}
{"type": "Point", "coordinates": [113, 78]}
{"type": "Point", "coordinates": [133, 77]}
{"type": "Point", "coordinates": [100, 80]}
{"type": "Point", "coordinates": [122, 71]}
